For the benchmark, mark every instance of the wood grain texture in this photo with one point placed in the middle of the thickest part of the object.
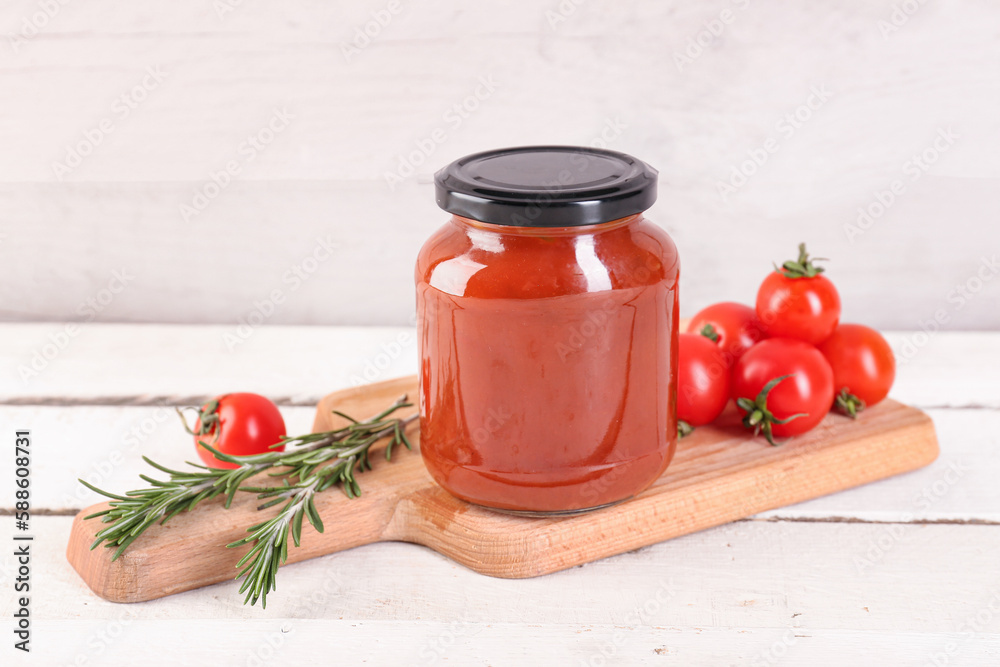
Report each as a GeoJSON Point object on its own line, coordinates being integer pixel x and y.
{"type": "Point", "coordinates": [719, 474]}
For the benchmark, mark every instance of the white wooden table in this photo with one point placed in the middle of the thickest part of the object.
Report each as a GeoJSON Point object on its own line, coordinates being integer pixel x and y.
{"type": "Point", "coordinates": [902, 572]}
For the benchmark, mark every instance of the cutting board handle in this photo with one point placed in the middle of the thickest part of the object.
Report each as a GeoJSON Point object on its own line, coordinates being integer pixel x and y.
{"type": "Point", "coordinates": [190, 551]}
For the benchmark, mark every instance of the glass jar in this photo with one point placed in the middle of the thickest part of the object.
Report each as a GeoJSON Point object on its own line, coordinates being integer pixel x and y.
{"type": "Point", "coordinates": [547, 326]}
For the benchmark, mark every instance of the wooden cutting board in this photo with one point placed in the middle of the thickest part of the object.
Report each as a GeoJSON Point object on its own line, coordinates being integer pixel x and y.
{"type": "Point", "coordinates": [719, 474]}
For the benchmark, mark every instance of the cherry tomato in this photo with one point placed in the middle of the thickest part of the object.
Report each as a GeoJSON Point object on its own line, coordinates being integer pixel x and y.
{"type": "Point", "coordinates": [795, 301]}
{"type": "Point", "coordinates": [734, 325]}
{"type": "Point", "coordinates": [238, 424]}
{"type": "Point", "coordinates": [784, 387]}
{"type": "Point", "coordinates": [863, 366]}
{"type": "Point", "coordinates": [702, 380]}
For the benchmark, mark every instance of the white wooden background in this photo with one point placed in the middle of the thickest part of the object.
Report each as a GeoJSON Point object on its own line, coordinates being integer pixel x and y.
{"type": "Point", "coordinates": [900, 572]}
{"type": "Point", "coordinates": [569, 71]}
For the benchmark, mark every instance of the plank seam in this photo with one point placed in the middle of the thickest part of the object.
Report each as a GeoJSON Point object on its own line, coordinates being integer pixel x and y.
{"type": "Point", "coordinates": [851, 519]}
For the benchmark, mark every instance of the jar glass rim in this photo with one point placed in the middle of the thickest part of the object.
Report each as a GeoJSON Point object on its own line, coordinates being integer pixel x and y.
{"type": "Point", "coordinates": [568, 230]}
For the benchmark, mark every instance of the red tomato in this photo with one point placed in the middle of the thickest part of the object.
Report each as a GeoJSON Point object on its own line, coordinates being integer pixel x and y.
{"type": "Point", "coordinates": [799, 399]}
{"type": "Point", "coordinates": [863, 366]}
{"type": "Point", "coordinates": [735, 326]}
{"type": "Point", "coordinates": [239, 425]}
{"type": "Point", "coordinates": [795, 301]}
{"type": "Point", "coordinates": [702, 379]}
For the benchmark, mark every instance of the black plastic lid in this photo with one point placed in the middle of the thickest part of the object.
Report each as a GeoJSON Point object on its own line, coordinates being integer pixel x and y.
{"type": "Point", "coordinates": [546, 186]}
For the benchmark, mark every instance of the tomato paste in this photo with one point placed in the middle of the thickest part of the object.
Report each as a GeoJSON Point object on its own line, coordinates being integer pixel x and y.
{"type": "Point", "coordinates": [547, 323]}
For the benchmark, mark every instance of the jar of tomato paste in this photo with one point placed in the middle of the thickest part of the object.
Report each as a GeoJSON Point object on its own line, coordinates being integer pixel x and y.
{"type": "Point", "coordinates": [547, 321]}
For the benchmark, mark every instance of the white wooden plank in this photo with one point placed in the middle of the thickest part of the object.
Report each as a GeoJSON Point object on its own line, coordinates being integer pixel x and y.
{"type": "Point", "coordinates": [808, 576]}
{"type": "Point", "coordinates": [305, 363]}
{"type": "Point", "coordinates": [263, 237]}
{"type": "Point", "coordinates": [104, 444]}
{"type": "Point", "coordinates": [293, 363]}
{"type": "Point", "coordinates": [891, 93]}
{"type": "Point", "coordinates": [946, 369]}
{"type": "Point", "coordinates": [964, 476]}
{"type": "Point", "coordinates": [223, 72]}
{"type": "Point", "coordinates": [259, 642]}
{"type": "Point", "coordinates": [257, 232]}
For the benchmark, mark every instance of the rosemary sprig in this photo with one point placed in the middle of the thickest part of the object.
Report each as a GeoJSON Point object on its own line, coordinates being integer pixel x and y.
{"type": "Point", "coordinates": [312, 464]}
{"type": "Point", "coordinates": [349, 454]}
{"type": "Point", "coordinates": [130, 515]}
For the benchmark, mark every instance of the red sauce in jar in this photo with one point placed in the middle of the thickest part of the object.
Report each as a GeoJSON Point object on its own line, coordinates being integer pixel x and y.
{"type": "Point", "coordinates": [547, 361]}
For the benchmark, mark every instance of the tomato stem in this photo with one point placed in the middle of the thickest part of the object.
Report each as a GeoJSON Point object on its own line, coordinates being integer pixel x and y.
{"type": "Point", "coordinates": [207, 421]}
{"type": "Point", "coordinates": [684, 429]}
{"type": "Point", "coordinates": [758, 417]}
{"type": "Point", "coordinates": [802, 267]}
{"type": "Point", "coordinates": [709, 332]}
{"type": "Point", "coordinates": [849, 404]}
